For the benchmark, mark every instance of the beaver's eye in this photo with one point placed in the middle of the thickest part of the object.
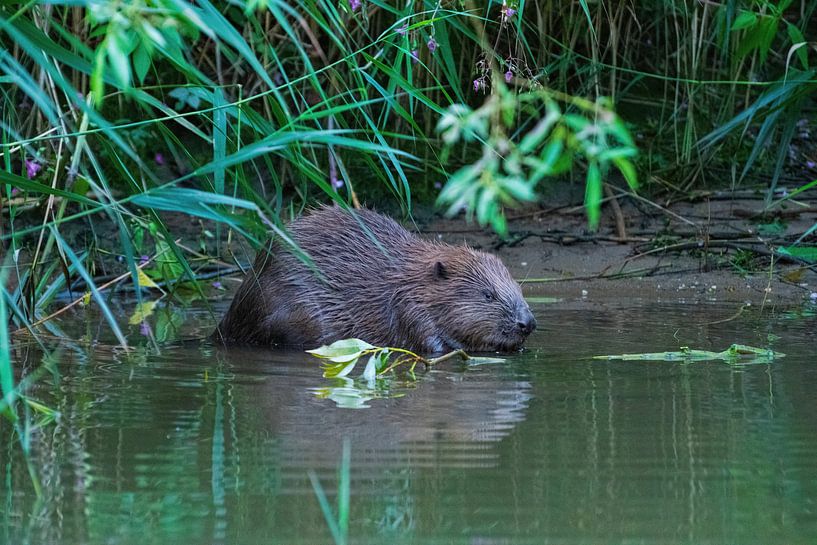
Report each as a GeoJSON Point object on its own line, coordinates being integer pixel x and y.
{"type": "Point", "coordinates": [488, 294]}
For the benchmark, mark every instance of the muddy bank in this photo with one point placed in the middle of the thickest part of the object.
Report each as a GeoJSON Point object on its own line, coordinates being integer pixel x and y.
{"type": "Point", "coordinates": [720, 248]}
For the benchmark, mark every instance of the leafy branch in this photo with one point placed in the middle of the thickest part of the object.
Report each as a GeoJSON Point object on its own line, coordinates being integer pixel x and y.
{"type": "Point", "coordinates": [516, 155]}
{"type": "Point", "coordinates": [341, 357]}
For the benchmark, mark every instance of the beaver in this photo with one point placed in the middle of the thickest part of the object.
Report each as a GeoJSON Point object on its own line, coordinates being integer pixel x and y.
{"type": "Point", "coordinates": [367, 277]}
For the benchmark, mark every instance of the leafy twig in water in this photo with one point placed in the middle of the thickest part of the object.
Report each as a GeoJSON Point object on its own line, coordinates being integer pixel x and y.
{"type": "Point", "coordinates": [340, 358]}
{"type": "Point", "coordinates": [737, 353]}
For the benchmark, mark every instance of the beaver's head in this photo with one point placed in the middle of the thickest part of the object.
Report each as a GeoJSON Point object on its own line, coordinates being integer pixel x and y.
{"type": "Point", "coordinates": [480, 306]}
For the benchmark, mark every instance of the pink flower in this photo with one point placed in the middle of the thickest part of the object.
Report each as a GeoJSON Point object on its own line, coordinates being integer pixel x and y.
{"type": "Point", "coordinates": [432, 45]}
{"type": "Point", "coordinates": [477, 85]}
{"type": "Point", "coordinates": [32, 168]}
{"type": "Point", "coordinates": [402, 30]}
{"type": "Point", "coordinates": [159, 158]}
{"type": "Point", "coordinates": [144, 329]}
{"type": "Point", "coordinates": [14, 191]}
{"type": "Point", "coordinates": [143, 260]}
{"type": "Point", "coordinates": [507, 13]}
{"type": "Point", "coordinates": [508, 76]}
{"type": "Point", "coordinates": [415, 56]}
{"type": "Point", "coordinates": [355, 4]}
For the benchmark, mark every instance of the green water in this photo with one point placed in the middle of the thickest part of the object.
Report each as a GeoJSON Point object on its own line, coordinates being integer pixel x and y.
{"type": "Point", "coordinates": [192, 444]}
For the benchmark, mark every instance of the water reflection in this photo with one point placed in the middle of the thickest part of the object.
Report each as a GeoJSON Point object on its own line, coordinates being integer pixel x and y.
{"type": "Point", "coordinates": [199, 445]}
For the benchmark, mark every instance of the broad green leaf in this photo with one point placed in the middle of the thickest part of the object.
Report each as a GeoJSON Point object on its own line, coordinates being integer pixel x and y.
{"type": "Point", "coordinates": [383, 359]}
{"type": "Point", "coordinates": [518, 188]}
{"type": "Point", "coordinates": [370, 372]}
{"type": "Point", "coordinates": [576, 122]}
{"type": "Point", "coordinates": [628, 171]}
{"type": "Point", "coordinates": [540, 131]}
{"type": "Point", "coordinates": [744, 20]}
{"type": "Point", "coordinates": [486, 207]}
{"type": "Point", "coordinates": [797, 40]}
{"type": "Point", "coordinates": [118, 59]}
{"type": "Point", "coordinates": [145, 281]}
{"type": "Point", "coordinates": [343, 350]}
{"type": "Point", "coordinates": [141, 62]}
{"type": "Point", "coordinates": [167, 264]}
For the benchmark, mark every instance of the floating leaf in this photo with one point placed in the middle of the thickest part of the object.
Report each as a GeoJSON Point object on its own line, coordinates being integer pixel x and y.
{"type": "Point", "coordinates": [342, 351]}
{"type": "Point", "coordinates": [483, 361]}
{"type": "Point", "coordinates": [143, 310]}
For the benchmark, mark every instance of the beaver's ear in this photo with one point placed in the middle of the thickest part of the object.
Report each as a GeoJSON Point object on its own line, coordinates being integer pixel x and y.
{"type": "Point", "coordinates": [440, 272]}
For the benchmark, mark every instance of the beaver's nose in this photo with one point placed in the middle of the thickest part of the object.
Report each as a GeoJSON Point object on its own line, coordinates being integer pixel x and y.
{"type": "Point", "coordinates": [525, 321]}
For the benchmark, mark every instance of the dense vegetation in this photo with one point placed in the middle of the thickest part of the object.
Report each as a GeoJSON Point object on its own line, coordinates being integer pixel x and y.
{"type": "Point", "coordinates": [118, 117]}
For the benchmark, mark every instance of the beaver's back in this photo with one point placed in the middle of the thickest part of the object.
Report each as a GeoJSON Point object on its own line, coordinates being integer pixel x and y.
{"type": "Point", "coordinates": [343, 244]}
{"type": "Point", "coordinates": [356, 264]}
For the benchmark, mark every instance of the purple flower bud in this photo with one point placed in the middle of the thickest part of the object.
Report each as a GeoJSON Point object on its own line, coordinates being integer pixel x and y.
{"type": "Point", "coordinates": [402, 30]}
{"type": "Point", "coordinates": [508, 76]}
{"type": "Point", "coordinates": [143, 260]}
{"type": "Point", "coordinates": [337, 183]}
{"type": "Point", "coordinates": [432, 44]}
{"type": "Point", "coordinates": [811, 164]}
{"type": "Point", "coordinates": [32, 168]}
{"type": "Point", "coordinates": [218, 285]}
{"type": "Point", "coordinates": [355, 4]}
{"type": "Point", "coordinates": [14, 191]}
{"type": "Point", "coordinates": [438, 185]}
{"type": "Point", "coordinates": [144, 329]}
{"type": "Point", "coordinates": [159, 158]}
{"type": "Point", "coordinates": [507, 12]}
{"type": "Point", "coordinates": [415, 56]}
{"type": "Point", "coordinates": [477, 85]}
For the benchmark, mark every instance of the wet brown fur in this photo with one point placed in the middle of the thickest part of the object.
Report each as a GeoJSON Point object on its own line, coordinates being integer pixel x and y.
{"type": "Point", "coordinates": [375, 281]}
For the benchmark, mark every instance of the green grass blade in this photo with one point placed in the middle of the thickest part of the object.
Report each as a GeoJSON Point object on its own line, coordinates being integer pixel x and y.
{"type": "Point", "coordinates": [326, 509]}
{"type": "Point", "coordinates": [91, 286]}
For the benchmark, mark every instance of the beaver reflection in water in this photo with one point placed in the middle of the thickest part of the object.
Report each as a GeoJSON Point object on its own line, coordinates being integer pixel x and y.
{"type": "Point", "coordinates": [373, 280]}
